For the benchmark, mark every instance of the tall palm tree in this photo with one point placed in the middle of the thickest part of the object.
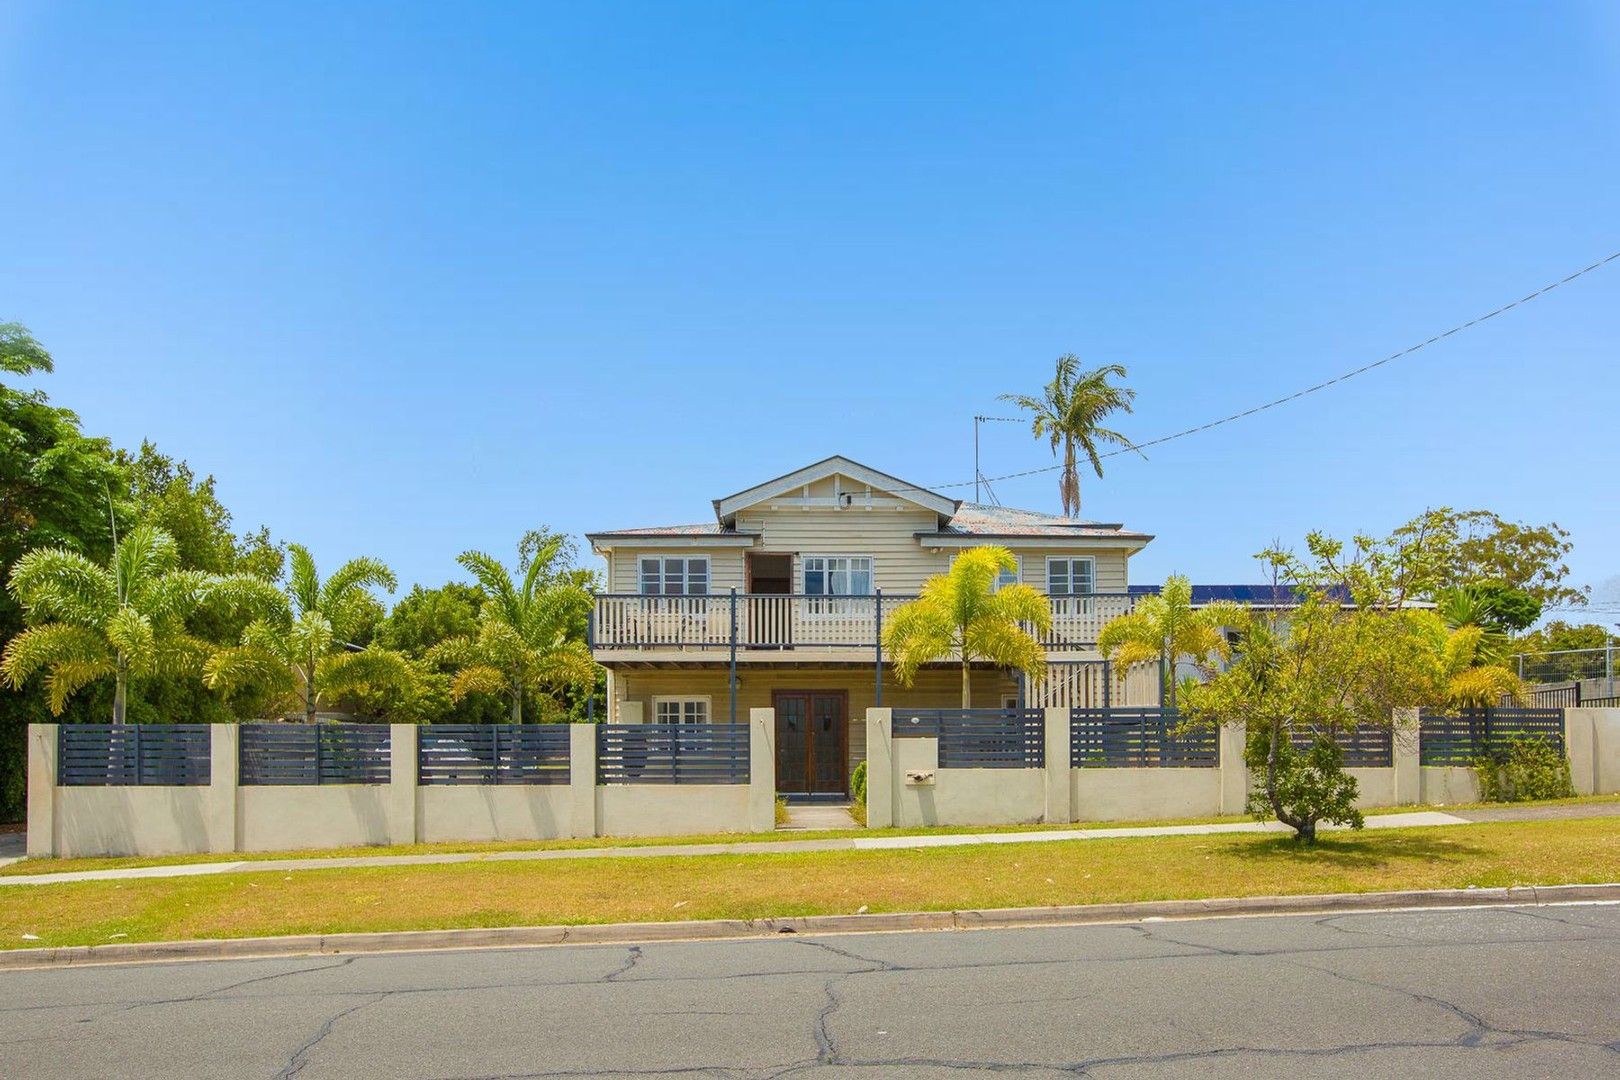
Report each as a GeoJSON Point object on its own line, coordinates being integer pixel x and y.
{"type": "Point", "coordinates": [1165, 628]}
{"type": "Point", "coordinates": [524, 643]}
{"type": "Point", "coordinates": [962, 614]}
{"type": "Point", "coordinates": [300, 644]}
{"type": "Point", "coordinates": [1069, 414]}
{"type": "Point", "coordinates": [125, 620]}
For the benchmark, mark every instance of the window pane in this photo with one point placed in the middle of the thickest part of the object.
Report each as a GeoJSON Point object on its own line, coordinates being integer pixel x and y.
{"type": "Point", "coordinates": [837, 580]}
{"type": "Point", "coordinates": [697, 577]}
{"type": "Point", "coordinates": [860, 582]}
{"type": "Point", "coordinates": [1082, 576]}
{"type": "Point", "coordinates": [1057, 577]}
{"type": "Point", "coordinates": [814, 583]}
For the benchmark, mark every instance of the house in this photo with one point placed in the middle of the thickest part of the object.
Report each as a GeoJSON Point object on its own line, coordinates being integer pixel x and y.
{"type": "Point", "coordinates": [780, 601]}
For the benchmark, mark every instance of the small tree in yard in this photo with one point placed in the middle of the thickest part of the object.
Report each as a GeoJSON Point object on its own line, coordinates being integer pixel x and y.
{"type": "Point", "coordinates": [1165, 628]}
{"type": "Point", "coordinates": [962, 614]}
{"type": "Point", "coordinates": [1321, 669]}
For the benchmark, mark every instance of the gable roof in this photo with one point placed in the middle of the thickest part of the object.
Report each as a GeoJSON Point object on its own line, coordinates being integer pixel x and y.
{"type": "Point", "coordinates": [725, 509]}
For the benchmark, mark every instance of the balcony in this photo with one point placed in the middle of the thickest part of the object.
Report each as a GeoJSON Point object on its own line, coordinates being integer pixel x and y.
{"type": "Point", "coordinates": [779, 623]}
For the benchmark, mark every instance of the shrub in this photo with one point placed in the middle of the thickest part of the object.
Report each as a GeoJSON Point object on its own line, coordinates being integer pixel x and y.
{"type": "Point", "coordinates": [857, 784]}
{"type": "Point", "coordinates": [1311, 783]}
{"type": "Point", "coordinates": [1528, 768]}
{"type": "Point", "coordinates": [781, 811]}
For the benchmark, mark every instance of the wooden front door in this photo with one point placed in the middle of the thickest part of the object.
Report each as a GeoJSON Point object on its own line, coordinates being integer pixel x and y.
{"type": "Point", "coordinates": [812, 741]}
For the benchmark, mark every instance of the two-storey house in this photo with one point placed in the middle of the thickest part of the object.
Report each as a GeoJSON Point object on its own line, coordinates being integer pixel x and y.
{"type": "Point", "coordinates": [780, 601]}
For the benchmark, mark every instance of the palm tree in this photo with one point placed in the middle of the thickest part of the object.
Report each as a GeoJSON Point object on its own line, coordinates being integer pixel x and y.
{"type": "Point", "coordinates": [963, 614]}
{"type": "Point", "coordinates": [125, 620]}
{"type": "Point", "coordinates": [300, 644]}
{"type": "Point", "coordinates": [1069, 413]}
{"type": "Point", "coordinates": [525, 641]}
{"type": "Point", "coordinates": [1165, 628]}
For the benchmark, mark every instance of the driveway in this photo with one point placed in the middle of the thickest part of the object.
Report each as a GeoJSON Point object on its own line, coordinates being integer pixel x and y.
{"type": "Point", "coordinates": [1464, 994]}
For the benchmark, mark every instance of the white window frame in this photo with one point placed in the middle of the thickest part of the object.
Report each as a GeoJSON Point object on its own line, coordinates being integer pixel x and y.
{"type": "Point", "coordinates": [686, 562]}
{"type": "Point", "coordinates": [1072, 603]}
{"type": "Point", "coordinates": [683, 702]}
{"type": "Point", "coordinates": [805, 571]}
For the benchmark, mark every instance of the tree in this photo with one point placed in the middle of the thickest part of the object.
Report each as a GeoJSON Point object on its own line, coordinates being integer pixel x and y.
{"type": "Point", "coordinates": [423, 618]}
{"type": "Point", "coordinates": [962, 614]}
{"type": "Point", "coordinates": [1448, 549]}
{"type": "Point", "coordinates": [120, 621]}
{"type": "Point", "coordinates": [1349, 655]}
{"type": "Point", "coordinates": [168, 494]}
{"type": "Point", "coordinates": [302, 643]}
{"type": "Point", "coordinates": [1069, 413]}
{"type": "Point", "coordinates": [529, 639]}
{"type": "Point", "coordinates": [1165, 628]}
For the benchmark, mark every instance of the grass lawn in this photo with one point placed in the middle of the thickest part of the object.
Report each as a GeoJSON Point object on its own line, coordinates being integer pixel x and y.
{"type": "Point", "coordinates": [730, 886]}
{"type": "Point", "coordinates": [55, 866]}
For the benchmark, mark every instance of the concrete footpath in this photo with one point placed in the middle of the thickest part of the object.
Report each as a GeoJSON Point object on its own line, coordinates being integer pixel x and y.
{"type": "Point", "coordinates": [670, 851]}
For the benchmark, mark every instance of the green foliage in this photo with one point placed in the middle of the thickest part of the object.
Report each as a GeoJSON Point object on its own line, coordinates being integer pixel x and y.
{"type": "Point", "coordinates": [781, 811]}
{"type": "Point", "coordinates": [1300, 785]}
{"type": "Point", "coordinates": [962, 615]}
{"type": "Point", "coordinates": [1510, 609]}
{"type": "Point", "coordinates": [857, 784]}
{"type": "Point", "coordinates": [1166, 627]}
{"type": "Point", "coordinates": [1449, 549]}
{"type": "Point", "coordinates": [529, 642]}
{"type": "Point", "coordinates": [1069, 414]}
{"type": "Point", "coordinates": [423, 618]}
{"type": "Point", "coordinates": [1528, 768]}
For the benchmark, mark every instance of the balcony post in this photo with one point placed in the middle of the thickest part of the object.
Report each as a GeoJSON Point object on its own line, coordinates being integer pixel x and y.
{"type": "Point", "coordinates": [1108, 685]}
{"type": "Point", "coordinates": [731, 680]}
{"type": "Point", "coordinates": [877, 609]}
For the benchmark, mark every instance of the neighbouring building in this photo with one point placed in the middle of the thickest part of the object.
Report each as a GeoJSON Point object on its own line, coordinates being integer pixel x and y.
{"type": "Point", "coordinates": [780, 601]}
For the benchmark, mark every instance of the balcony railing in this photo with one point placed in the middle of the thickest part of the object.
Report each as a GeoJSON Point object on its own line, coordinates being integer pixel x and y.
{"type": "Point", "coordinates": [633, 621]}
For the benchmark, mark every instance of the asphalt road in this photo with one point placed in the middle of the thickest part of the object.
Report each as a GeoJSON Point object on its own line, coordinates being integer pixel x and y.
{"type": "Point", "coordinates": [1523, 992]}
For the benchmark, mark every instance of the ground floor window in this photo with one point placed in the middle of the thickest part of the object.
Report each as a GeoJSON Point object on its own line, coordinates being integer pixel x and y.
{"type": "Point", "coordinates": [681, 710]}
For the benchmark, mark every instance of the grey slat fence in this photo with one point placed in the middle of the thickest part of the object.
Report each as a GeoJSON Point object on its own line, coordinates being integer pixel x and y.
{"type": "Point", "coordinates": [672, 754]}
{"type": "Point", "coordinates": [1367, 747]}
{"type": "Point", "coordinates": [1138, 738]}
{"type": "Point", "coordinates": [1462, 738]}
{"type": "Point", "coordinates": [492, 753]}
{"type": "Point", "coordinates": [147, 755]}
{"type": "Point", "coordinates": [978, 738]}
{"type": "Point", "coordinates": [314, 754]}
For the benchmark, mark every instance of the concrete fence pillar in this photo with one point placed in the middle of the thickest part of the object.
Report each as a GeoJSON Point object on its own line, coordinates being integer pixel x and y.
{"type": "Point", "coordinates": [224, 777]}
{"type": "Point", "coordinates": [761, 770]}
{"type": "Point", "coordinates": [402, 784]}
{"type": "Point", "coordinates": [1578, 744]}
{"type": "Point", "coordinates": [1059, 805]}
{"type": "Point", "coordinates": [1407, 759]}
{"type": "Point", "coordinates": [1232, 741]}
{"type": "Point", "coordinates": [1605, 750]}
{"type": "Point", "coordinates": [879, 768]}
{"type": "Point", "coordinates": [42, 765]}
{"type": "Point", "coordinates": [581, 780]}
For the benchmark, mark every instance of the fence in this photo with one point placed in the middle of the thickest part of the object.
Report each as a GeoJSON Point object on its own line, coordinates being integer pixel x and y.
{"type": "Point", "coordinates": [493, 754]}
{"type": "Point", "coordinates": [979, 738]}
{"type": "Point", "coordinates": [672, 754]}
{"type": "Point", "coordinates": [1461, 739]}
{"type": "Point", "coordinates": [150, 755]}
{"type": "Point", "coordinates": [314, 754]}
{"type": "Point", "coordinates": [1135, 738]}
{"type": "Point", "coordinates": [1365, 747]}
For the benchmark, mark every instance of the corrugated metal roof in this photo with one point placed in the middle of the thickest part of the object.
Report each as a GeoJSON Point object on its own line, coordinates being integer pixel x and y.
{"type": "Point", "coordinates": [709, 528]}
{"type": "Point", "coordinates": [978, 519]}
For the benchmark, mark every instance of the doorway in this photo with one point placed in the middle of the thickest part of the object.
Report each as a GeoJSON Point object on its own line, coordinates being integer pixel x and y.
{"type": "Point", "coordinates": [812, 742]}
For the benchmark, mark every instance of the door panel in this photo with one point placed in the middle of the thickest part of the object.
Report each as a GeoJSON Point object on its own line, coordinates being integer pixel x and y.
{"type": "Point", "coordinates": [792, 742]}
{"type": "Point", "coordinates": [812, 741]}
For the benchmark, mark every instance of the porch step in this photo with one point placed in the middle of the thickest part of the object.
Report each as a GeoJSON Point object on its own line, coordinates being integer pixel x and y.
{"type": "Point", "coordinates": [818, 816]}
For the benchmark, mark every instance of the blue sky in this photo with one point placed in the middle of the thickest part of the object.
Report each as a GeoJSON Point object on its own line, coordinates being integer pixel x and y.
{"type": "Point", "coordinates": [413, 279]}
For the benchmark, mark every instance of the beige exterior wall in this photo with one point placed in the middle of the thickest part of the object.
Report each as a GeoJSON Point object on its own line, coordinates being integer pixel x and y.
{"type": "Point", "coordinates": [1447, 785]}
{"type": "Point", "coordinates": [282, 818]}
{"type": "Point", "coordinates": [455, 812]}
{"type": "Point", "coordinates": [124, 820]}
{"type": "Point", "coordinates": [1143, 794]}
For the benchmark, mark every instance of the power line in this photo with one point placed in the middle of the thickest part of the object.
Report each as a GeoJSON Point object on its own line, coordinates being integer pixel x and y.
{"type": "Point", "coordinates": [1459, 328]}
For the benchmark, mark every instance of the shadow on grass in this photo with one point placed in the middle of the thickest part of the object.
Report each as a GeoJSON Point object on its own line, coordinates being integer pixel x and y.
{"type": "Point", "coordinates": [1352, 851]}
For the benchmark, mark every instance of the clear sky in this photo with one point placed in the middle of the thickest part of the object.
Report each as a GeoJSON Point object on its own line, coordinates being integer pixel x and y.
{"type": "Point", "coordinates": [409, 280]}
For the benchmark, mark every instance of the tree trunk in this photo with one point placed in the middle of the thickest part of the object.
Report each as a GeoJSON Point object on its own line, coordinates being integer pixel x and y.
{"type": "Point", "coordinates": [1167, 672]}
{"type": "Point", "coordinates": [517, 704]}
{"type": "Point", "coordinates": [967, 685]}
{"type": "Point", "coordinates": [120, 690]}
{"type": "Point", "coordinates": [1304, 828]}
{"type": "Point", "coordinates": [309, 696]}
{"type": "Point", "coordinates": [1070, 482]}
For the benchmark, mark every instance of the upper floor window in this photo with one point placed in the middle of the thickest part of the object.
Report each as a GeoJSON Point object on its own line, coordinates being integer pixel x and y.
{"type": "Point", "coordinates": [1071, 577]}
{"type": "Point", "coordinates": [837, 575]}
{"type": "Point", "coordinates": [661, 576]}
{"type": "Point", "coordinates": [1005, 577]}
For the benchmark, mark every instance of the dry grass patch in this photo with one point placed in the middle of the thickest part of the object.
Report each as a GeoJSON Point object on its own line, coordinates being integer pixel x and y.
{"type": "Point", "coordinates": [730, 886]}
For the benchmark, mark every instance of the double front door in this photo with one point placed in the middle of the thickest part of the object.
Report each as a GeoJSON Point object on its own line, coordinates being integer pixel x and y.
{"type": "Point", "coordinates": [812, 741]}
